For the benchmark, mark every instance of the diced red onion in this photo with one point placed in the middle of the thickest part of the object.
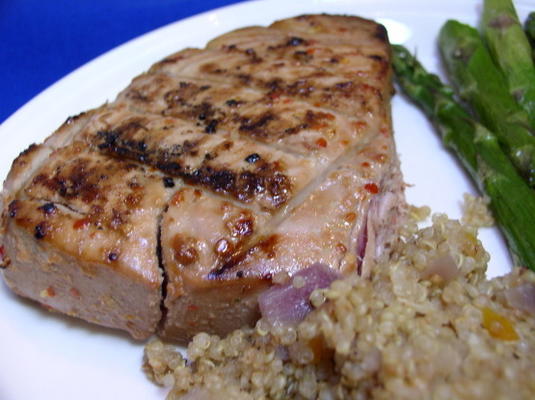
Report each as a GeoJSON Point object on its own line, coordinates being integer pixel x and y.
{"type": "Point", "coordinates": [522, 297]}
{"type": "Point", "coordinates": [288, 304]}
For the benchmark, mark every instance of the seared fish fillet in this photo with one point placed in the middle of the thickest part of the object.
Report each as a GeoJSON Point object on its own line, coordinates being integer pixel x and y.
{"type": "Point", "coordinates": [214, 174]}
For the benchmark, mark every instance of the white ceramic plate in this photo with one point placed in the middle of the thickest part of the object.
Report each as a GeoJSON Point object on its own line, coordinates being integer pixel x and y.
{"type": "Point", "coordinates": [44, 355]}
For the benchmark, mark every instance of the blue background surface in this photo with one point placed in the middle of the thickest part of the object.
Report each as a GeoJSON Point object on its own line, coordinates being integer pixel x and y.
{"type": "Point", "coordinates": [44, 40]}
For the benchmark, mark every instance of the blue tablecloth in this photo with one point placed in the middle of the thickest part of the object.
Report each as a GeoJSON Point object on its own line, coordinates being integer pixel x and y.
{"type": "Point", "coordinates": [43, 40]}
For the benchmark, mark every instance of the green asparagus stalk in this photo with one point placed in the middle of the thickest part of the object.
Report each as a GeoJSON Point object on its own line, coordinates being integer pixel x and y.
{"type": "Point", "coordinates": [511, 51]}
{"type": "Point", "coordinates": [511, 200]}
{"type": "Point", "coordinates": [529, 28]}
{"type": "Point", "coordinates": [483, 86]}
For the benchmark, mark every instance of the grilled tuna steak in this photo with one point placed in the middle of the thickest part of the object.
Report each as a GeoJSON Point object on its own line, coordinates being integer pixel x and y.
{"type": "Point", "coordinates": [212, 175]}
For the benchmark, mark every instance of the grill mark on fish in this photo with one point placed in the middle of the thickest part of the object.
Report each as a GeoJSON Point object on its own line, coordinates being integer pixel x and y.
{"type": "Point", "coordinates": [250, 245]}
{"type": "Point", "coordinates": [79, 182]}
{"type": "Point", "coordinates": [266, 127]}
{"type": "Point", "coordinates": [265, 91]}
{"type": "Point", "coordinates": [243, 185]}
{"type": "Point", "coordinates": [256, 126]}
{"type": "Point", "coordinates": [239, 126]}
{"type": "Point", "coordinates": [301, 87]}
{"type": "Point", "coordinates": [264, 244]}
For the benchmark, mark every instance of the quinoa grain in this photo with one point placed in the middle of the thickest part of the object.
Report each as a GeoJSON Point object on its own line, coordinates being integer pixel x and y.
{"type": "Point", "coordinates": [404, 332]}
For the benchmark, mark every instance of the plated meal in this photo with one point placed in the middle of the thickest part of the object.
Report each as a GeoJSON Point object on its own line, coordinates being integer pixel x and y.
{"type": "Point", "coordinates": [245, 199]}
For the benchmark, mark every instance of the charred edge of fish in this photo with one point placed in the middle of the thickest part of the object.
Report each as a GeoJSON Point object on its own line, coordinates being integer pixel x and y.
{"type": "Point", "coordinates": [170, 60]}
{"type": "Point", "coordinates": [73, 118]}
{"type": "Point", "coordinates": [28, 150]}
{"type": "Point", "coordinates": [381, 33]}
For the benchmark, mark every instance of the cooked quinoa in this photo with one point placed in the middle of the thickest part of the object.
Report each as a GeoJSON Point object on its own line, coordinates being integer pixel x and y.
{"type": "Point", "coordinates": [426, 324]}
{"type": "Point", "coordinates": [476, 212]}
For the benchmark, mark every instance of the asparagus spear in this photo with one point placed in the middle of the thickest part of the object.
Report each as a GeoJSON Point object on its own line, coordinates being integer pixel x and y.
{"type": "Point", "coordinates": [480, 83]}
{"type": "Point", "coordinates": [511, 50]}
{"type": "Point", "coordinates": [511, 200]}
